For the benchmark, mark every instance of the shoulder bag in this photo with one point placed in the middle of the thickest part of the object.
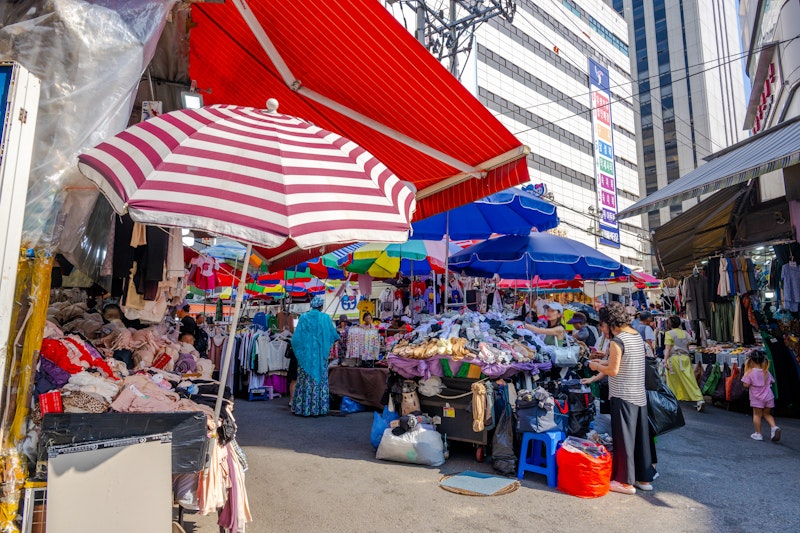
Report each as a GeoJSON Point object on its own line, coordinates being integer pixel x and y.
{"type": "Point", "coordinates": [567, 355]}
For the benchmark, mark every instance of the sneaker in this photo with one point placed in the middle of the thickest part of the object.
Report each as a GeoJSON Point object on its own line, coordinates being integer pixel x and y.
{"type": "Point", "coordinates": [622, 488]}
{"type": "Point", "coordinates": [776, 434]}
{"type": "Point", "coordinates": [655, 476]}
{"type": "Point", "coordinates": [701, 406]}
{"type": "Point", "coordinates": [757, 436]}
{"type": "Point", "coordinates": [642, 485]}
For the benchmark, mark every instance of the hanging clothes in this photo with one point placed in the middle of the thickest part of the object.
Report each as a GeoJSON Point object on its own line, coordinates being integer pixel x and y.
{"type": "Point", "coordinates": [724, 286]}
{"type": "Point", "coordinates": [695, 297]}
{"type": "Point", "coordinates": [790, 279]}
{"type": "Point", "coordinates": [206, 273]}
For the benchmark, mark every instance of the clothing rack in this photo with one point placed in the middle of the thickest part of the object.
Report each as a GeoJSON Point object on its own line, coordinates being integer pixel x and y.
{"type": "Point", "coordinates": [730, 252]}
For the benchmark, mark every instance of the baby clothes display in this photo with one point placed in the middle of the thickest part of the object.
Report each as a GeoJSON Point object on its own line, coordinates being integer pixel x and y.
{"type": "Point", "coordinates": [205, 275]}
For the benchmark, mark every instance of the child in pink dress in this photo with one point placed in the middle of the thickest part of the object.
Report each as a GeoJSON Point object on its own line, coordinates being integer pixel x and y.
{"type": "Point", "coordinates": [759, 381]}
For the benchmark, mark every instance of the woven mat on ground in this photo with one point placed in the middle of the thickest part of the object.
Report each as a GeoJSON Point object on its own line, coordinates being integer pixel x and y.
{"type": "Point", "coordinates": [477, 484]}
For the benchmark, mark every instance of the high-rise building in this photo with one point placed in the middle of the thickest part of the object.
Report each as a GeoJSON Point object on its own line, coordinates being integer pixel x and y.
{"type": "Point", "coordinates": [686, 58]}
{"type": "Point", "coordinates": [549, 76]}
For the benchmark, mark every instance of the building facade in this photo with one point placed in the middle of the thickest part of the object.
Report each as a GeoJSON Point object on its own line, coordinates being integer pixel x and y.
{"type": "Point", "coordinates": [534, 75]}
{"type": "Point", "coordinates": [686, 58]}
{"type": "Point", "coordinates": [770, 34]}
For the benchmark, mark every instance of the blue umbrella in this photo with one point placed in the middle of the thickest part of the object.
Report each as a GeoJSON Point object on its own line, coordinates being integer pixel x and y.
{"type": "Point", "coordinates": [232, 251]}
{"type": "Point", "coordinates": [509, 212]}
{"type": "Point", "coordinates": [538, 254]}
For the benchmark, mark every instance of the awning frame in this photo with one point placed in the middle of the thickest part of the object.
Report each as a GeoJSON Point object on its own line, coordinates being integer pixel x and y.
{"type": "Point", "coordinates": [296, 85]}
{"type": "Point", "coordinates": [692, 184]}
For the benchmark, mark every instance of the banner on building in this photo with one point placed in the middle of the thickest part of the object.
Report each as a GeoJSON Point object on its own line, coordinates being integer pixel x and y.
{"type": "Point", "coordinates": [604, 166]}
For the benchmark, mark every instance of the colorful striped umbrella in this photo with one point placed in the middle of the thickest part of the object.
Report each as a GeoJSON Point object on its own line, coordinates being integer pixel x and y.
{"type": "Point", "coordinates": [252, 175]}
{"type": "Point", "coordinates": [386, 260]}
{"type": "Point", "coordinates": [256, 176]}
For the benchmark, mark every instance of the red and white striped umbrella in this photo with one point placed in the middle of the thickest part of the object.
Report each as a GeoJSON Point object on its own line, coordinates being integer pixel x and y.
{"type": "Point", "coordinates": [253, 175]}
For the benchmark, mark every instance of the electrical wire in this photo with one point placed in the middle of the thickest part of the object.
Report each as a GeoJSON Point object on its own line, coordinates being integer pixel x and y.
{"type": "Point", "coordinates": [733, 57]}
{"type": "Point", "coordinates": [651, 91]}
{"type": "Point", "coordinates": [655, 125]}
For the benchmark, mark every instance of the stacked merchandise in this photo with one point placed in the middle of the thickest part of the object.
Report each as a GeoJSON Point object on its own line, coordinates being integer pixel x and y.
{"type": "Point", "coordinates": [88, 366]}
{"type": "Point", "coordinates": [443, 346]}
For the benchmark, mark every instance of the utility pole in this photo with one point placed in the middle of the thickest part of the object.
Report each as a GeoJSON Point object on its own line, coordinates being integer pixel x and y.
{"type": "Point", "coordinates": [447, 36]}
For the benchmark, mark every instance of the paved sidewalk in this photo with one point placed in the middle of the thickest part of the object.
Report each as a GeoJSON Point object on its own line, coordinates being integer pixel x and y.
{"type": "Point", "coordinates": [320, 474]}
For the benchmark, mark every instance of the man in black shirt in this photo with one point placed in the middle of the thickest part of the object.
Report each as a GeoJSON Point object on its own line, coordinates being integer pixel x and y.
{"type": "Point", "coordinates": [188, 325]}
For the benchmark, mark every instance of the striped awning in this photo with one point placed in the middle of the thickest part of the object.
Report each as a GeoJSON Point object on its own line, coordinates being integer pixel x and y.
{"type": "Point", "coordinates": [350, 67]}
{"type": "Point", "coordinates": [773, 149]}
{"type": "Point", "coordinates": [252, 175]}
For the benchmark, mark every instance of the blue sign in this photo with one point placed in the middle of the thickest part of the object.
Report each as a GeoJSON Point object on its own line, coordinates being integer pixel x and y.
{"type": "Point", "coordinates": [605, 150]}
{"type": "Point", "coordinates": [5, 84]}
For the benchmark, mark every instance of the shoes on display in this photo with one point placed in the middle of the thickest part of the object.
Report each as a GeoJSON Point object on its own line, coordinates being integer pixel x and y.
{"type": "Point", "coordinates": [776, 434]}
{"type": "Point", "coordinates": [757, 436]}
{"type": "Point", "coordinates": [647, 487]}
{"type": "Point", "coordinates": [622, 488]}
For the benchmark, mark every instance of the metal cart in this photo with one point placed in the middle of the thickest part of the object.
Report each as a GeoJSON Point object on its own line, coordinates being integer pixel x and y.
{"type": "Point", "coordinates": [454, 406]}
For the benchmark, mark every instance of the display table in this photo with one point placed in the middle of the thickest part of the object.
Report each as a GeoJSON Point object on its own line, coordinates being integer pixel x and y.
{"type": "Point", "coordinates": [364, 385]}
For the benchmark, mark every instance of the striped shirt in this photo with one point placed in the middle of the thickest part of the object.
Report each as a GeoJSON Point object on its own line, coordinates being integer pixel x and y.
{"type": "Point", "coordinates": [628, 384]}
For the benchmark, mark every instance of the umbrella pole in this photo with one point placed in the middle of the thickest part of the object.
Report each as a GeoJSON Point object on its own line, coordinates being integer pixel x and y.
{"type": "Point", "coordinates": [226, 360]}
{"type": "Point", "coordinates": [446, 260]}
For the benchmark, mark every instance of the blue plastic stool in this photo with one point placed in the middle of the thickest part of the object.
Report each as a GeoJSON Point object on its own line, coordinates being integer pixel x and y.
{"type": "Point", "coordinates": [537, 459]}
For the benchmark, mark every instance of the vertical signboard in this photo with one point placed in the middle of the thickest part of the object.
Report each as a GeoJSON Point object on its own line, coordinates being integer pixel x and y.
{"type": "Point", "coordinates": [604, 166]}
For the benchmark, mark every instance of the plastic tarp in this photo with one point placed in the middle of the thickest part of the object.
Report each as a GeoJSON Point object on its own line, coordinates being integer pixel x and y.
{"type": "Point", "coordinates": [90, 56]}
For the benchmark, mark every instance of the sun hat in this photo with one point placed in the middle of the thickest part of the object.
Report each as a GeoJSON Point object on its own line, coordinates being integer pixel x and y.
{"type": "Point", "coordinates": [577, 318]}
{"type": "Point", "coordinates": [555, 305]}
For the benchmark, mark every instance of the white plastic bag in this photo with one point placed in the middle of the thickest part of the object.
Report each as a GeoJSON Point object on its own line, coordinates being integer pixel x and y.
{"type": "Point", "coordinates": [419, 446]}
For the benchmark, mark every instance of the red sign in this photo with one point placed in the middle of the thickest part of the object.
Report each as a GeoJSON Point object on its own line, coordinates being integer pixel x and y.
{"type": "Point", "coordinates": [602, 111]}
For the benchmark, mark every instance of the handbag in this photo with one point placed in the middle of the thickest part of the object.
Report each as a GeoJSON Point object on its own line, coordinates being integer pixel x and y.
{"type": "Point", "coordinates": [698, 373]}
{"type": "Point", "coordinates": [567, 355]}
{"type": "Point", "coordinates": [531, 417]}
{"type": "Point", "coordinates": [734, 388]}
{"type": "Point", "coordinates": [535, 412]}
{"type": "Point", "coordinates": [713, 374]}
{"type": "Point", "coordinates": [719, 394]}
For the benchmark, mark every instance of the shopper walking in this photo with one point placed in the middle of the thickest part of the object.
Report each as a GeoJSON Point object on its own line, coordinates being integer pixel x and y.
{"type": "Point", "coordinates": [680, 375]}
{"type": "Point", "coordinates": [632, 466]}
{"type": "Point", "coordinates": [312, 341]}
{"type": "Point", "coordinates": [759, 382]}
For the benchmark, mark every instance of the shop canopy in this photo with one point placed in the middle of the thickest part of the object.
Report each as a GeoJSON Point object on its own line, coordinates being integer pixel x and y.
{"type": "Point", "coordinates": [773, 149]}
{"type": "Point", "coordinates": [697, 233]}
{"type": "Point", "coordinates": [727, 221]}
{"type": "Point", "coordinates": [351, 68]}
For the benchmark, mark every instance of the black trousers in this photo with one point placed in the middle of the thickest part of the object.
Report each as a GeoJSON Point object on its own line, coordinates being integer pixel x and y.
{"type": "Point", "coordinates": [631, 435]}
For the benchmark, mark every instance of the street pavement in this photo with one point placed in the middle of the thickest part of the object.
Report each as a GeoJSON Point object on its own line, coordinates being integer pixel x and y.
{"type": "Point", "coordinates": [320, 474]}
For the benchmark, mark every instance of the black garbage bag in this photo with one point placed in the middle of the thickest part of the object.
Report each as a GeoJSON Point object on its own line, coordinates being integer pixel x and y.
{"type": "Point", "coordinates": [663, 411]}
{"type": "Point", "coordinates": [504, 461]}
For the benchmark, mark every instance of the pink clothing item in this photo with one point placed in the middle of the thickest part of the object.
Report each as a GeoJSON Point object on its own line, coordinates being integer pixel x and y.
{"type": "Point", "coordinates": [141, 395]}
{"type": "Point", "coordinates": [760, 388]}
{"type": "Point", "coordinates": [206, 278]}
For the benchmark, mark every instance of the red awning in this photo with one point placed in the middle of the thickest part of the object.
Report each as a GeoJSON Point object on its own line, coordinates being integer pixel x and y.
{"type": "Point", "coordinates": [349, 67]}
